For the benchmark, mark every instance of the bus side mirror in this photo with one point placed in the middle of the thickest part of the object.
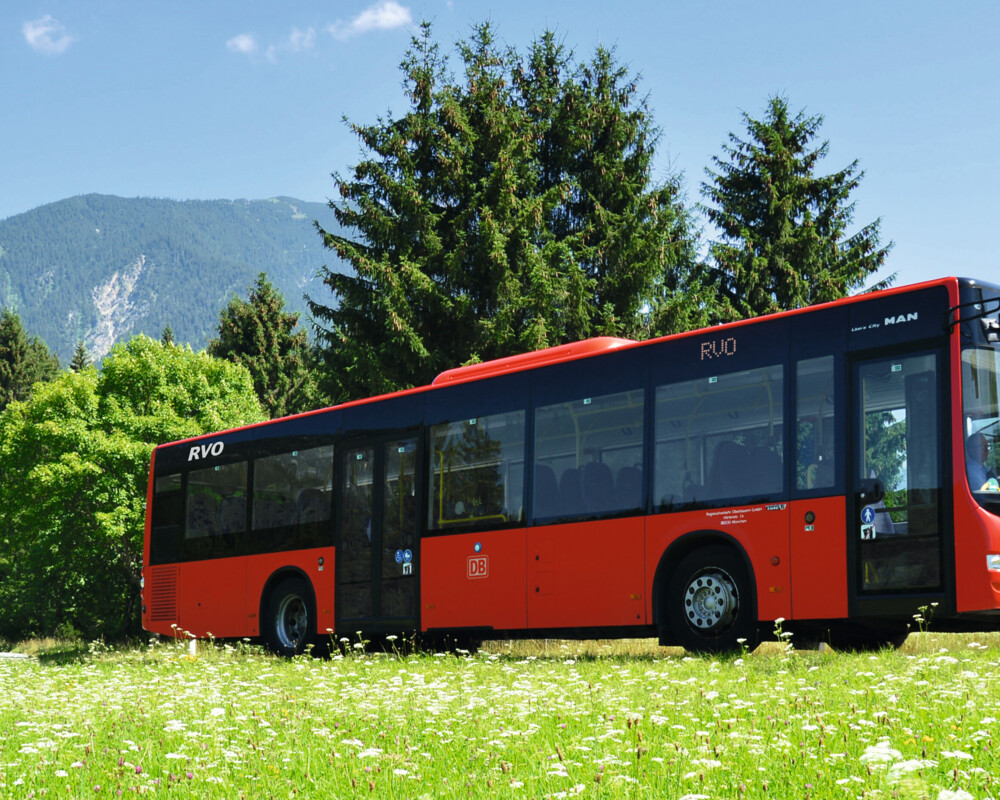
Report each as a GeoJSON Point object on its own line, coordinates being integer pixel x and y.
{"type": "Point", "coordinates": [872, 491]}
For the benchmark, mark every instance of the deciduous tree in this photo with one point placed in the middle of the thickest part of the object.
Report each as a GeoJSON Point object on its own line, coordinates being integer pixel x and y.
{"type": "Point", "coordinates": [74, 461]}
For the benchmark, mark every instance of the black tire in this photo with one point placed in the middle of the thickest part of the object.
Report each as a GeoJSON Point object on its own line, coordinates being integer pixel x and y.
{"type": "Point", "coordinates": [710, 604]}
{"type": "Point", "coordinates": [289, 618]}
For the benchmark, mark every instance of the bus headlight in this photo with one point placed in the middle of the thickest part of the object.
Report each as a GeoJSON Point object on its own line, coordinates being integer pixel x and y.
{"type": "Point", "coordinates": [993, 562]}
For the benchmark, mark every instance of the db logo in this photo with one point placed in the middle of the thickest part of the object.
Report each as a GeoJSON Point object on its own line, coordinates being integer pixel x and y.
{"type": "Point", "coordinates": [479, 566]}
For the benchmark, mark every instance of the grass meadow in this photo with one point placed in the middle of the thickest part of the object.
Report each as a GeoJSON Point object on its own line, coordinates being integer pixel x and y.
{"type": "Point", "coordinates": [516, 720]}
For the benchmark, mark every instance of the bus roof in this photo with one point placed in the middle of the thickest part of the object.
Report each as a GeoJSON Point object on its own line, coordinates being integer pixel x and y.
{"type": "Point", "coordinates": [537, 358]}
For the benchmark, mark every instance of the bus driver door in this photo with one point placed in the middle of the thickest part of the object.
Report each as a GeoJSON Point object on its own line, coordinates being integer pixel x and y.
{"type": "Point", "coordinates": [377, 550]}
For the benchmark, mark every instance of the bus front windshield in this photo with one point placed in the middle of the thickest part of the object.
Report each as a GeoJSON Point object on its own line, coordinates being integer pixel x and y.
{"type": "Point", "coordinates": [981, 415]}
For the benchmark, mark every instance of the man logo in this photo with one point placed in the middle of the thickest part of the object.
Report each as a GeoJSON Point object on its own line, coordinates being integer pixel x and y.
{"type": "Point", "coordinates": [200, 451]}
{"type": "Point", "coordinates": [479, 567]}
{"type": "Point", "coordinates": [911, 317]}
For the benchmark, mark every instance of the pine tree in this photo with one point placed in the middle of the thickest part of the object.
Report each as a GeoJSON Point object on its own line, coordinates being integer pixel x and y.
{"type": "Point", "coordinates": [508, 211]}
{"type": "Point", "coordinates": [635, 241]}
{"type": "Point", "coordinates": [43, 364]}
{"type": "Point", "coordinates": [259, 334]}
{"type": "Point", "coordinates": [23, 361]}
{"type": "Point", "coordinates": [80, 360]}
{"type": "Point", "coordinates": [167, 337]}
{"type": "Point", "coordinates": [784, 228]}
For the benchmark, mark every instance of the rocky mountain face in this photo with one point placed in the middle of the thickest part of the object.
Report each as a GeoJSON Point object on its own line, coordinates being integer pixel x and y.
{"type": "Point", "coordinates": [102, 269]}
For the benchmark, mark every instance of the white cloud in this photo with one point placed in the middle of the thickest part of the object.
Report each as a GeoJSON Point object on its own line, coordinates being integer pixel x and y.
{"type": "Point", "coordinates": [384, 15]}
{"type": "Point", "coordinates": [298, 41]}
{"type": "Point", "coordinates": [245, 43]}
{"type": "Point", "coordinates": [47, 35]}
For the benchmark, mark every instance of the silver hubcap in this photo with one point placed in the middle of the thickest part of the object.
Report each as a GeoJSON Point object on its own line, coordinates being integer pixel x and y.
{"type": "Point", "coordinates": [293, 619]}
{"type": "Point", "coordinates": [711, 601]}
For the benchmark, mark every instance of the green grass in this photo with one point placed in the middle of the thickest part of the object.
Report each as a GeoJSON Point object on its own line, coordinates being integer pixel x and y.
{"type": "Point", "coordinates": [522, 720]}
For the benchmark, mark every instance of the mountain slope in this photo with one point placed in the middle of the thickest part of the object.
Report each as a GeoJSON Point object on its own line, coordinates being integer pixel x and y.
{"type": "Point", "coordinates": [102, 268]}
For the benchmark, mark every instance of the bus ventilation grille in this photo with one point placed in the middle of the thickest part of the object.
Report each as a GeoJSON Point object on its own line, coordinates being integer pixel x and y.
{"type": "Point", "coordinates": [163, 594]}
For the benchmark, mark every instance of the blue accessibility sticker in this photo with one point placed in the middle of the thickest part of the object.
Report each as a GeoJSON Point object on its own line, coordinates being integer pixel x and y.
{"type": "Point", "coordinates": [868, 515]}
{"type": "Point", "coordinates": [407, 556]}
{"type": "Point", "coordinates": [399, 556]}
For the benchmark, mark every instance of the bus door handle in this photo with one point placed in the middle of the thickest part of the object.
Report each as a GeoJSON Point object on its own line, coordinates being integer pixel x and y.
{"type": "Point", "coordinates": [872, 491]}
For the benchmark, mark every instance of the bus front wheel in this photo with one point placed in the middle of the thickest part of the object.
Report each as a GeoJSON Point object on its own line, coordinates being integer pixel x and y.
{"type": "Point", "coordinates": [289, 619]}
{"type": "Point", "coordinates": [709, 603]}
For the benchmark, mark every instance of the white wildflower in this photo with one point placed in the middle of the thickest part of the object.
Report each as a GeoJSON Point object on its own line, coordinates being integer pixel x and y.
{"type": "Point", "coordinates": [880, 753]}
{"type": "Point", "coordinates": [898, 770]}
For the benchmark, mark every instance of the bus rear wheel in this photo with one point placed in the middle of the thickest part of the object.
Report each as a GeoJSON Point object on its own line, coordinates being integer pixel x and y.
{"type": "Point", "coordinates": [289, 618]}
{"type": "Point", "coordinates": [710, 606]}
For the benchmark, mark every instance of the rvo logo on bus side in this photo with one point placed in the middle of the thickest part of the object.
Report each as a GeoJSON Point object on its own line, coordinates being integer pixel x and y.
{"type": "Point", "coordinates": [200, 451]}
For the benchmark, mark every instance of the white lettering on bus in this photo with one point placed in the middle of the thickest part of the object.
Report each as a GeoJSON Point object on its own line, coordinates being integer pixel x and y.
{"type": "Point", "coordinates": [200, 451]}
{"type": "Point", "coordinates": [718, 349]}
{"type": "Point", "coordinates": [911, 317]}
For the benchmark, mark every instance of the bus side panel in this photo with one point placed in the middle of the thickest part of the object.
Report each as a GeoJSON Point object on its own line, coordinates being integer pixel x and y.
{"type": "Point", "coordinates": [586, 574]}
{"type": "Point", "coordinates": [760, 528]}
{"type": "Point", "coordinates": [473, 580]}
{"type": "Point", "coordinates": [819, 559]}
{"type": "Point", "coordinates": [320, 575]}
{"type": "Point", "coordinates": [213, 598]}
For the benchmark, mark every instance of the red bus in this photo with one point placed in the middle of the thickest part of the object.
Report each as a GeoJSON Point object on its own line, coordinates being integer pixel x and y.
{"type": "Point", "coordinates": [809, 465]}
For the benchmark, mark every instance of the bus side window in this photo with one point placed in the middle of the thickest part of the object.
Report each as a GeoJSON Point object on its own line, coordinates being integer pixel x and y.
{"type": "Point", "coordinates": [477, 472]}
{"type": "Point", "coordinates": [719, 438]}
{"type": "Point", "coordinates": [294, 488]}
{"type": "Point", "coordinates": [167, 518]}
{"type": "Point", "coordinates": [589, 456]}
{"type": "Point", "coordinates": [216, 500]}
{"type": "Point", "coordinates": [815, 431]}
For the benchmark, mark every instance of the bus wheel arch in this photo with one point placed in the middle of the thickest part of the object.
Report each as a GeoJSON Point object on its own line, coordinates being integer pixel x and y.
{"type": "Point", "coordinates": [288, 613]}
{"type": "Point", "coordinates": [705, 595]}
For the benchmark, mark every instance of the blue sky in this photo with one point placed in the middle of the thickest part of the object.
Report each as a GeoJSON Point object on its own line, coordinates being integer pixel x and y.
{"type": "Point", "coordinates": [246, 99]}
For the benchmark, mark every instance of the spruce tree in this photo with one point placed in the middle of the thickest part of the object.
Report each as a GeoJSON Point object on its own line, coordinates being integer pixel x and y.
{"type": "Point", "coordinates": [508, 210]}
{"type": "Point", "coordinates": [784, 228]}
{"type": "Point", "coordinates": [80, 360]}
{"type": "Point", "coordinates": [24, 361]}
{"type": "Point", "coordinates": [260, 335]}
{"type": "Point", "coordinates": [43, 364]}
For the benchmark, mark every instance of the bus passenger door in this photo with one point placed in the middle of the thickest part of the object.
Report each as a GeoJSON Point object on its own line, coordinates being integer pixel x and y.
{"type": "Point", "coordinates": [377, 560]}
{"type": "Point", "coordinates": [896, 536]}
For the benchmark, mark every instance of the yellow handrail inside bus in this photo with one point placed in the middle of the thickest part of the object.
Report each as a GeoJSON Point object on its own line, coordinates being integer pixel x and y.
{"type": "Point", "coordinates": [442, 519]}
